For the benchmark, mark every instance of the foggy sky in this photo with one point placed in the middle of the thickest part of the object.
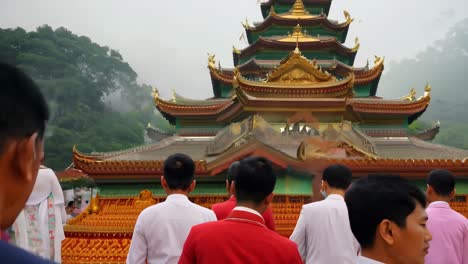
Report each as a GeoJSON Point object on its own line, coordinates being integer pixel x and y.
{"type": "Point", "coordinates": [166, 41]}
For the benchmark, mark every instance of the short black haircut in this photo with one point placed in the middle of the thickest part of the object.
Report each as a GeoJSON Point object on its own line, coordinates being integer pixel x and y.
{"type": "Point", "coordinates": [442, 181]}
{"type": "Point", "coordinates": [232, 172]}
{"type": "Point", "coordinates": [254, 180]}
{"type": "Point", "coordinates": [70, 203]}
{"type": "Point", "coordinates": [372, 199]}
{"type": "Point", "coordinates": [337, 176]}
{"type": "Point", "coordinates": [179, 170]}
{"type": "Point", "coordinates": [23, 109]}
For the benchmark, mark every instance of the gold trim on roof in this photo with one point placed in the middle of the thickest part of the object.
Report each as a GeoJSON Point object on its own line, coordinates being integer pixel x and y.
{"type": "Point", "coordinates": [299, 35]}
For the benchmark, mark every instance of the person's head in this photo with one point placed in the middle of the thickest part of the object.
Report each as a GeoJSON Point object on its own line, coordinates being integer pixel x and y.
{"type": "Point", "coordinates": [179, 170]}
{"type": "Point", "coordinates": [71, 205]}
{"type": "Point", "coordinates": [388, 219]}
{"type": "Point", "coordinates": [335, 177]}
{"type": "Point", "coordinates": [440, 186]}
{"type": "Point", "coordinates": [254, 182]}
{"type": "Point", "coordinates": [23, 117]}
{"type": "Point", "coordinates": [231, 175]}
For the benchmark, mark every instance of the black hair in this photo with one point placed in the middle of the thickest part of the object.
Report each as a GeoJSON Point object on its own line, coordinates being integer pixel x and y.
{"type": "Point", "coordinates": [70, 203]}
{"type": "Point", "coordinates": [372, 199]}
{"type": "Point", "coordinates": [179, 170]}
{"type": "Point", "coordinates": [232, 172]}
{"type": "Point", "coordinates": [255, 179]}
{"type": "Point", "coordinates": [23, 109]}
{"type": "Point", "coordinates": [442, 181]}
{"type": "Point", "coordinates": [337, 176]}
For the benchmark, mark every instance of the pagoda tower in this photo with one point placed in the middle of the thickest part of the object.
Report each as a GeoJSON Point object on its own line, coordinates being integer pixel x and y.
{"type": "Point", "coordinates": [293, 96]}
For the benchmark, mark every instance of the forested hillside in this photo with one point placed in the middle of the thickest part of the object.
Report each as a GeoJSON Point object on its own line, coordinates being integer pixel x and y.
{"type": "Point", "coordinates": [94, 98]}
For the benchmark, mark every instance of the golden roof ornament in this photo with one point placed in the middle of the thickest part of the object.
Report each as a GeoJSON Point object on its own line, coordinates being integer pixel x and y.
{"type": "Point", "coordinates": [348, 17]}
{"type": "Point", "coordinates": [298, 9]}
{"type": "Point", "coordinates": [245, 24]}
{"type": "Point", "coordinates": [211, 61]}
{"type": "Point", "coordinates": [299, 35]}
{"type": "Point", "coordinates": [427, 90]}
{"type": "Point", "coordinates": [356, 45]}
{"type": "Point", "coordinates": [174, 98]}
{"type": "Point", "coordinates": [411, 96]}
{"type": "Point", "coordinates": [155, 93]}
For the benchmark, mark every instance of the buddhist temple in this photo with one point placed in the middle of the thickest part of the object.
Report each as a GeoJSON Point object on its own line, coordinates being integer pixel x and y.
{"type": "Point", "coordinates": [293, 96]}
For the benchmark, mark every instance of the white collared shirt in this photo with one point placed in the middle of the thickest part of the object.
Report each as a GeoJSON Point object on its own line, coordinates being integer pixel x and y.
{"type": "Point", "coordinates": [246, 209]}
{"type": "Point", "coordinates": [161, 230]}
{"type": "Point", "coordinates": [364, 260]}
{"type": "Point", "coordinates": [323, 233]}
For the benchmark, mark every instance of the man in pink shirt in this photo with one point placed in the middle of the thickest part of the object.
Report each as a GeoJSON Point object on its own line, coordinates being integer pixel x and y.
{"type": "Point", "coordinates": [449, 229]}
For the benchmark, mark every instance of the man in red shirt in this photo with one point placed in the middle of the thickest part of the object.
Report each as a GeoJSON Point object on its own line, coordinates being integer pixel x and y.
{"type": "Point", "coordinates": [223, 209]}
{"type": "Point", "coordinates": [242, 237]}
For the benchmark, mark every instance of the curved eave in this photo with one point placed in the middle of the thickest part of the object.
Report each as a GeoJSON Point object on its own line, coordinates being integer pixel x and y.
{"type": "Point", "coordinates": [268, 44]}
{"type": "Point", "coordinates": [412, 109]}
{"type": "Point", "coordinates": [274, 19]}
{"type": "Point", "coordinates": [126, 167]}
{"type": "Point", "coordinates": [271, 90]}
{"type": "Point", "coordinates": [175, 109]}
{"type": "Point", "coordinates": [224, 76]}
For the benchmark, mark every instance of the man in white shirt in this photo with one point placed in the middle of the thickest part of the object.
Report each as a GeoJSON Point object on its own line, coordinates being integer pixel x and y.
{"type": "Point", "coordinates": [387, 217]}
{"type": "Point", "coordinates": [322, 233]}
{"type": "Point", "coordinates": [161, 229]}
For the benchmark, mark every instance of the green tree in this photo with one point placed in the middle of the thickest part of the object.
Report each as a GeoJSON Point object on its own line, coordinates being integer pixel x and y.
{"type": "Point", "coordinates": [78, 78]}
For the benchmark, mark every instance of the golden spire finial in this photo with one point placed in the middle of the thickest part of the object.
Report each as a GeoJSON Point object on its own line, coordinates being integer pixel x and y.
{"type": "Point", "coordinates": [356, 45]}
{"type": "Point", "coordinates": [155, 93]}
{"type": "Point", "coordinates": [298, 9]}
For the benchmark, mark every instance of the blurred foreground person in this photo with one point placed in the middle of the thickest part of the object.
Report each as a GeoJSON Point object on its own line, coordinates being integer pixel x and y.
{"type": "Point", "coordinates": [387, 218]}
{"type": "Point", "coordinates": [222, 210]}
{"type": "Point", "coordinates": [161, 229]}
{"type": "Point", "coordinates": [449, 229]}
{"type": "Point", "coordinates": [23, 117]}
{"type": "Point", "coordinates": [39, 227]}
{"type": "Point", "coordinates": [243, 237]}
{"type": "Point", "coordinates": [322, 232]}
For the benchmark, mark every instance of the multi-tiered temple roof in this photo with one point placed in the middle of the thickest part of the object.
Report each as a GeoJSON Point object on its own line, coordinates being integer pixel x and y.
{"type": "Point", "coordinates": [294, 97]}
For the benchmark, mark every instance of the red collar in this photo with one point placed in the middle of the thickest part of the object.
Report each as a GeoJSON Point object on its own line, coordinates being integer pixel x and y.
{"type": "Point", "coordinates": [246, 217]}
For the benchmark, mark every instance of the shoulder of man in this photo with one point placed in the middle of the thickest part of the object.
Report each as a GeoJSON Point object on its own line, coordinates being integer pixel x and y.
{"type": "Point", "coordinates": [12, 254]}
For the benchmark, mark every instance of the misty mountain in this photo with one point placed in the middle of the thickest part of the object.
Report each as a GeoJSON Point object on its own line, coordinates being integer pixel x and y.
{"type": "Point", "coordinates": [443, 66]}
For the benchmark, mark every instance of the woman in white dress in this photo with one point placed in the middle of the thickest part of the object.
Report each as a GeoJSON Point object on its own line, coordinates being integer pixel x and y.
{"type": "Point", "coordinates": [39, 227]}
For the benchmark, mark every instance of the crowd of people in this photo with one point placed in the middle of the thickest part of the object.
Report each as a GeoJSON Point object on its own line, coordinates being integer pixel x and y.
{"type": "Point", "coordinates": [375, 219]}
